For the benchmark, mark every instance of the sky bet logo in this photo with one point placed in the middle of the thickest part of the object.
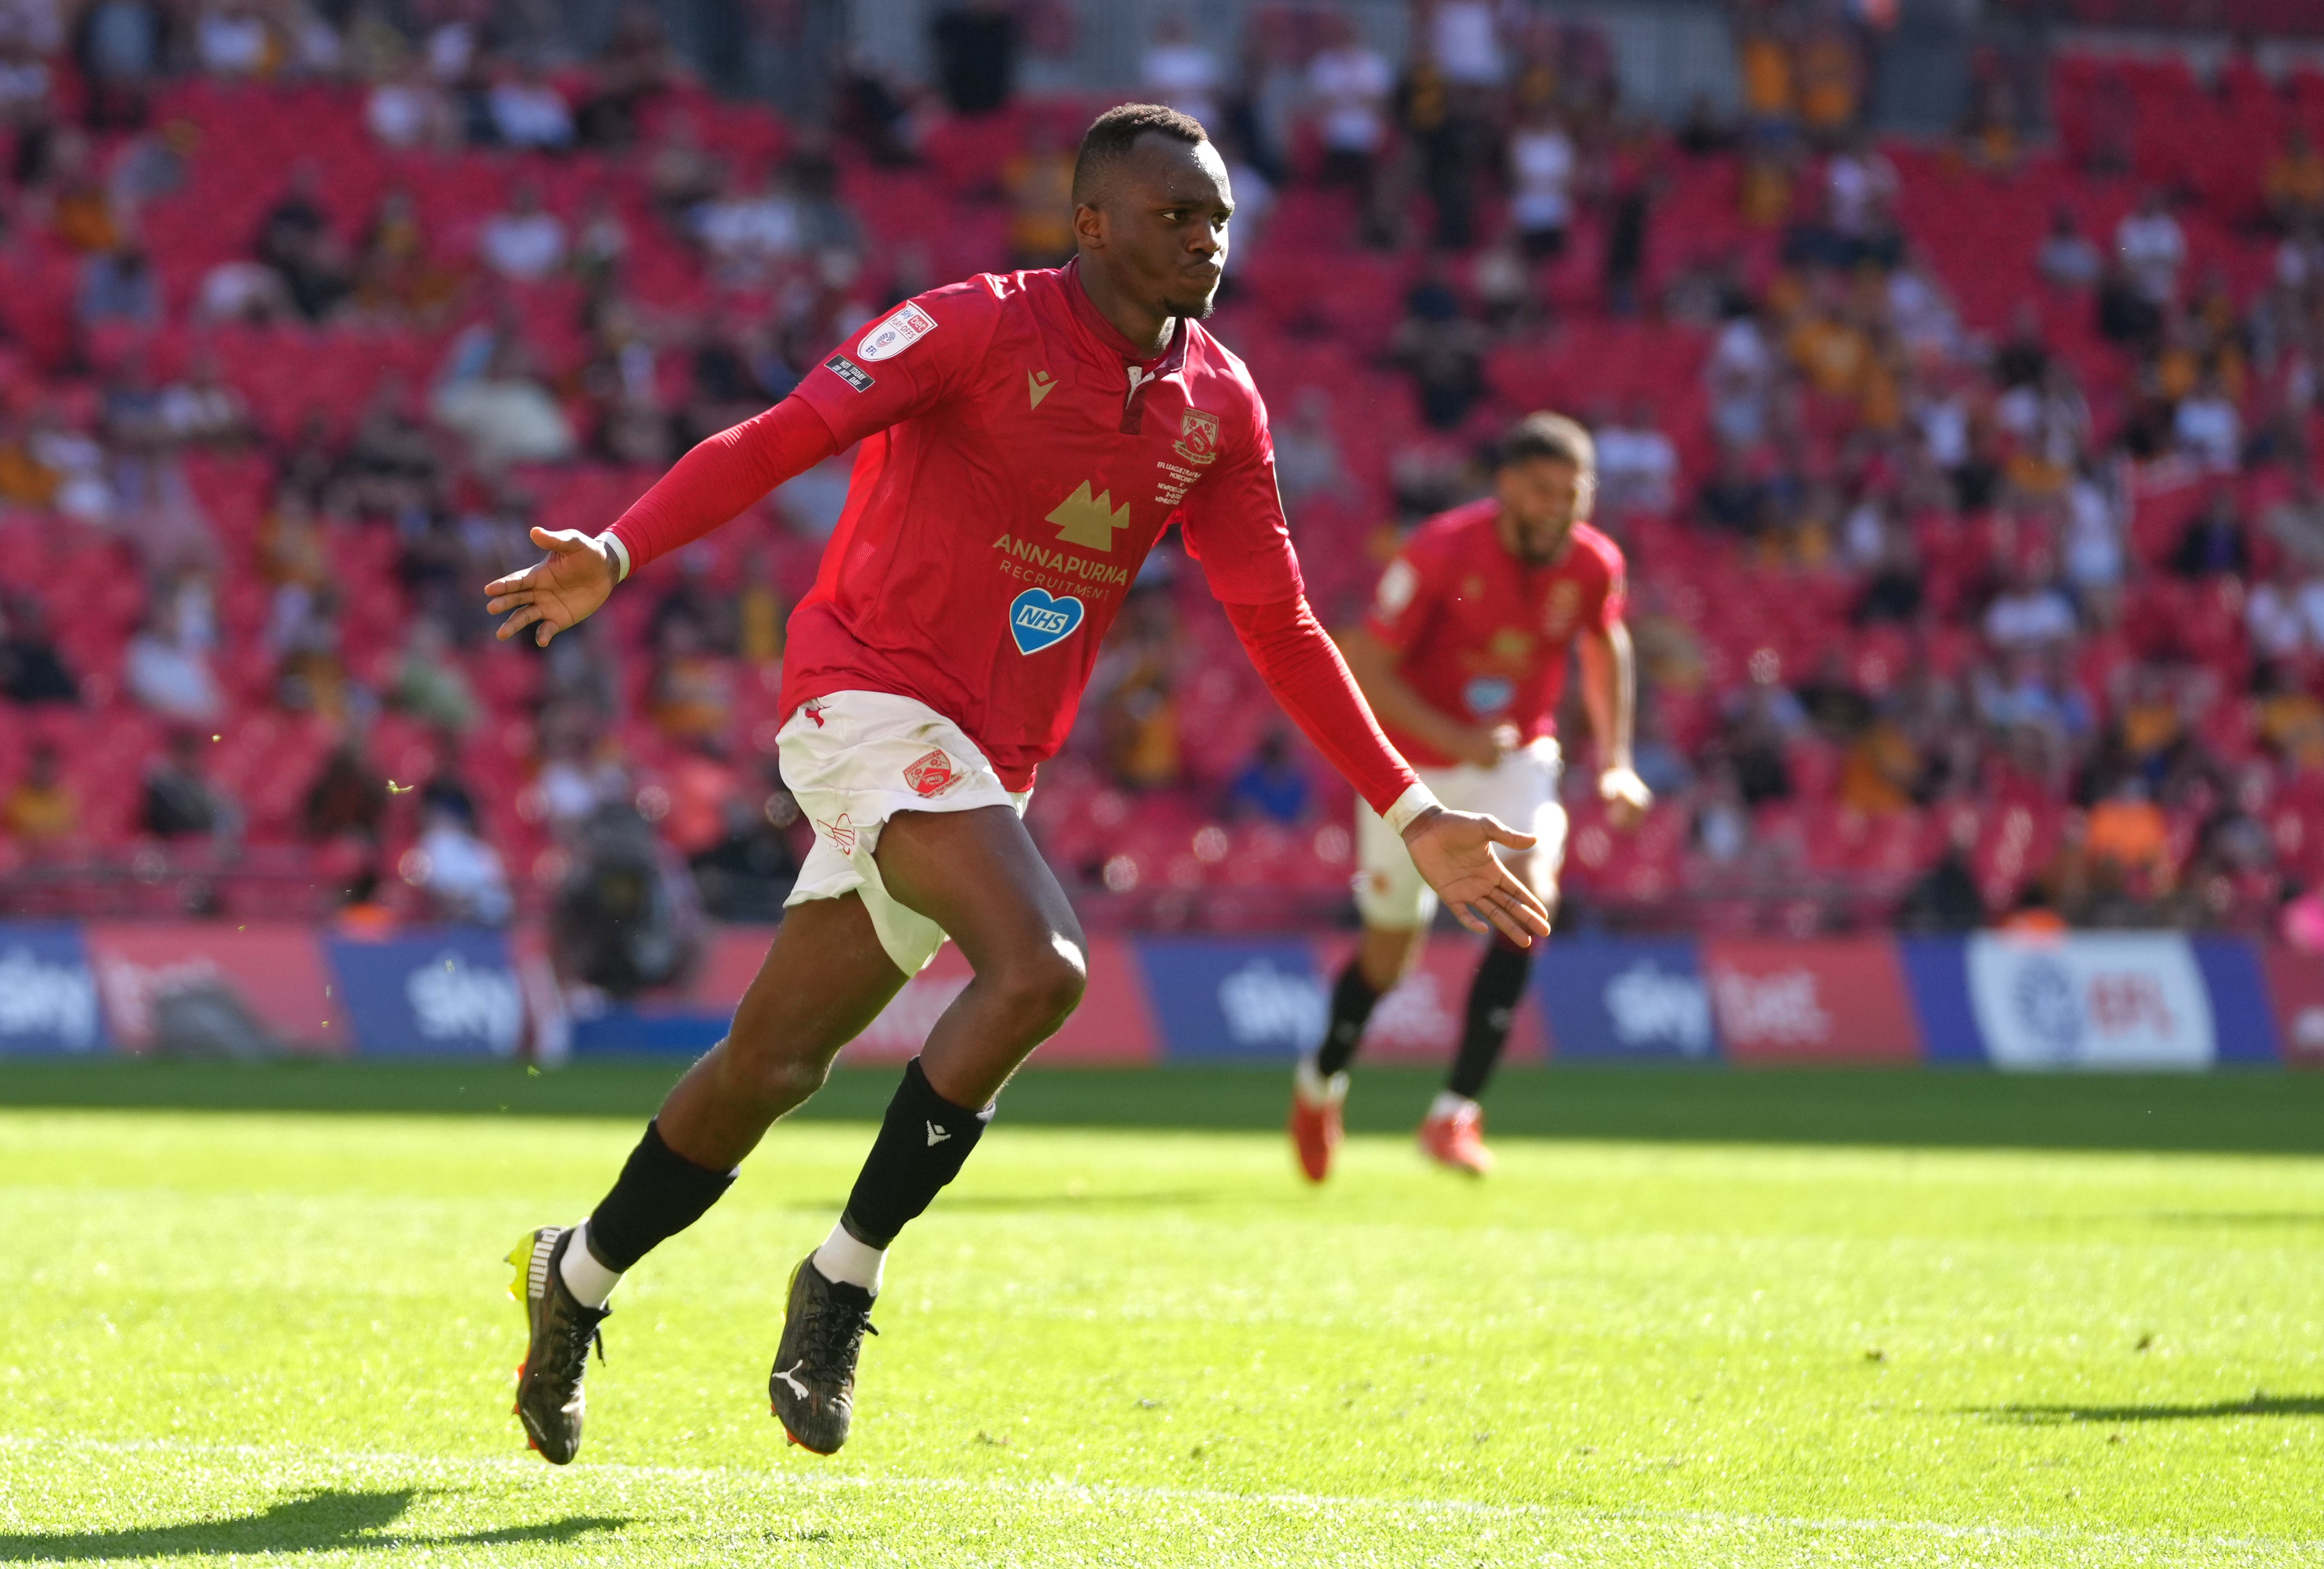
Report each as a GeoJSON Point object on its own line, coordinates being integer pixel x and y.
{"type": "Point", "coordinates": [1036, 620]}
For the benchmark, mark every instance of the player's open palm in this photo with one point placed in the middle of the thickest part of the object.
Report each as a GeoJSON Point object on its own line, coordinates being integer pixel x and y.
{"type": "Point", "coordinates": [572, 581]}
{"type": "Point", "coordinates": [1454, 852]}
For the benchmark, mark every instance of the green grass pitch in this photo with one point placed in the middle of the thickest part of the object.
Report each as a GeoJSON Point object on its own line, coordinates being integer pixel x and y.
{"type": "Point", "coordinates": [1695, 1319]}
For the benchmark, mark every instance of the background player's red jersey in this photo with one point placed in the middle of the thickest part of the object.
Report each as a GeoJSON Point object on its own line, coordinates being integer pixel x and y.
{"type": "Point", "coordinates": [1020, 460]}
{"type": "Point", "coordinates": [1480, 635]}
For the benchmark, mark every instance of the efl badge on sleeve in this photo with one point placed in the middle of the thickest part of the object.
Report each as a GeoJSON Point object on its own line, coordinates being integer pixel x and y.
{"type": "Point", "coordinates": [900, 330]}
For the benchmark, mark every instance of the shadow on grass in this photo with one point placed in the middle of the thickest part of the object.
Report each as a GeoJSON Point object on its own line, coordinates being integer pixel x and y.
{"type": "Point", "coordinates": [2251, 1113]}
{"type": "Point", "coordinates": [323, 1521]}
{"type": "Point", "coordinates": [2255, 1405]}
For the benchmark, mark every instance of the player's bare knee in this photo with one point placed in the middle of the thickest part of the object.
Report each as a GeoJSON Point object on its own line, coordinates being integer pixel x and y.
{"type": "Point", "coordinates": [1045, 983]}
{"type": "Point", "coordinates": [775, 1072]}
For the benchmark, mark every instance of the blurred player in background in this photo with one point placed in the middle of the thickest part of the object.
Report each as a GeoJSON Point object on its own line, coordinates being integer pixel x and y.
{"type": "Point", "coordinates": [1025, 440]}
{"type": "Point", "coordinates": [1463, 659]}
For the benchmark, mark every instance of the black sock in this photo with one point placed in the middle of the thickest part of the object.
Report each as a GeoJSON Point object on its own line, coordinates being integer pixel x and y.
{"type": "Point", "coordinates": [1353, 1001]}
{"type": "Point", "coordinates": [1493, 1000]}
{"type": "Point", "coordinates": [659, 1195]}
{"type": "Point", "coordinates": [922, 1142]}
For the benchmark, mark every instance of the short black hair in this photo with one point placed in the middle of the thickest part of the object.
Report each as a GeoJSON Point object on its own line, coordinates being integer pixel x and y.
{"type": "Point", "coordinates": [1553, 436]}
{"type": "Point", "coordinates": [1113, 134]}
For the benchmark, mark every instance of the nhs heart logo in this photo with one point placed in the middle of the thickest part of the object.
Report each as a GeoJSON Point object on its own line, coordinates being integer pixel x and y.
{"type": "Point", "coordinates": [1036, 621]}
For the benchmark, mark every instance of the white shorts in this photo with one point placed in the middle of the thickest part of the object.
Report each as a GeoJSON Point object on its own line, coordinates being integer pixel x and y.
{"type": "Point", "coordinates": [853, 759]}
{"type": "Point", "coordinates": [1521, 791]}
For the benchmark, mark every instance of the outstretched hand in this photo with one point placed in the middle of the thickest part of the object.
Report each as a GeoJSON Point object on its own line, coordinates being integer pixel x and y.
{"type": "Point", "coordinates": [1454, 853]}
{"type": "Point", "coordinates": [572, 581]}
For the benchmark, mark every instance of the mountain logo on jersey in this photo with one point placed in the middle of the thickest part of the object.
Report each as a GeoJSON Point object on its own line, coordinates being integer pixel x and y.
{"type": "Point", "coordinates": [1198, 435]}
{"type": "Point", "coordinates": [903, 328]}
{"type": "Point", "coordinates": [1089, 520]}
{"type": "Point", "coordinates": [1036, 620]}
{"type": "Point", "coordinates": [1039, 384]}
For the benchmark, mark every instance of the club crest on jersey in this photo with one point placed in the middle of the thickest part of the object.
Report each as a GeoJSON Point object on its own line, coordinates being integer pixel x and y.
{"type": "Point", "coordinates": [903, 328]}
{"type": "Point", "coordinates": [1198, 435]}
{"type": "Point", "coordinates": [1564, 605]}
{"type": "Point", "coordinates": [930, 775]}
{"type": "Point", "coordinates": [1036, 620]}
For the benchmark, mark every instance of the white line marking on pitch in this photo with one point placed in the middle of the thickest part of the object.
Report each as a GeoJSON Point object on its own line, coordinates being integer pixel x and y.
{"type": "Point", "coordinates": [1103, 1492]}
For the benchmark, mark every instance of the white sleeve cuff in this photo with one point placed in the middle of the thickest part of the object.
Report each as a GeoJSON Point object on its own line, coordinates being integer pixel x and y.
{"type": "Point", "coordinates": [1415, 800]}
{"type": "Point", "coordinates": [621, 553]}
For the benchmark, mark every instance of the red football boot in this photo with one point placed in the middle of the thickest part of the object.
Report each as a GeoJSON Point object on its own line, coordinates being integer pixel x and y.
{"type": "Point", "coordinates": [1456, 1141]}
{"type": "Point", "coordinates": [1315, 1129]}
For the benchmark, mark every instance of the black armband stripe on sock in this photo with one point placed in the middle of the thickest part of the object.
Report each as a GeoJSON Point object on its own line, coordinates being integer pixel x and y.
{"type": "Point", "coordinates": [922, 1142]}
{"type": "Point", "coordinates": [1353, 1002]}
{"type": "Point", "coordinates": [1493, 998]}
{"type": "Point", "coordinates": [659, 1195]}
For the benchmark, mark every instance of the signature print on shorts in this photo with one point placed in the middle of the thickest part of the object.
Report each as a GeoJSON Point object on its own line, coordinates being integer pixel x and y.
{"type": "Point", "coordinates": [1036, 620]}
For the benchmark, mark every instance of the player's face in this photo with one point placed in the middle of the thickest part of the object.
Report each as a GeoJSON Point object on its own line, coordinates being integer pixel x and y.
{"type": "Point", "coordinates": [1542, 499]}
{"type": "Point", "coordinates": [1164, 225]}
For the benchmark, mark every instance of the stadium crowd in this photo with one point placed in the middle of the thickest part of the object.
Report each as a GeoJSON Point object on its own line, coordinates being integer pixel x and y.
{"type": "Point", "coordinates": [1970, 488]}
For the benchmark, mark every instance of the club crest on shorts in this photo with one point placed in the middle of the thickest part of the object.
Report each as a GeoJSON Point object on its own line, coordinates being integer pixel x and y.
{"type": "Point", "coordinates": [1198, 435]}
{"type": "Point", "coordinates": [930, 775]}
{"type": "Point", "coordinates": [1036, 620]}
{"type": "Point", "coordinates": [902, 327]}
{"type": "Point", "coordinates": [841, 832]}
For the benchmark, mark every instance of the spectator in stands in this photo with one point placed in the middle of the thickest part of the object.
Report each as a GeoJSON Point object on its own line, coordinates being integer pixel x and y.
{"type": "Point", "coordinates": [1734, 500]}
{"type": "Point", "coordinates": [530, 112]}
{"type": "Point", "coordinates": [490, 394]}
{"type": "Point", "coordinates": [748, 232]}
{"type": "Point", "coordinates": [1443, 349]}
{"type": "Point", "coordinates": [693, 690]}
{"type": "Point", "coordinates": [2213, 543]}
{"type": "Point", "coordinates": [1181, 72]}
{"type": "Point", "coordinates": [2032, 612]}
{"type": "Point", "coordinates": [628, 918]}
{"type": "Point", "coordinates": [1307, 457]}
{"type": "Point", "coordinates": [2285, 614]}
{"type": "Point", "coordinates": [2296, 523]}
{"type": "Point", "coordinates": [40, 808]}
{"type": "Point", "coordinates": [573, 781]}
{"type": "Point", "coordinates": [976, 43]}
{"type": "Point", "coordinates": [409, 111]}
{"type": "Point", "coordinates": [430, 684]}
{"type": "Point", "coordinates": [397, 280]}
{"type": "Point", "coordinates": [461, 876]}
{"type": "Point", "coordinates": [1752, 741]}
{"type": "Point", "coordinates": [179, 802]}
{"type": "Point", "coordinates": [2208, 428]}
{"type": "Point", "coordinates": [302, 633]}
{"type": "Point", "coordinates": [1829, 73]}
{"type": "Point", "coordinates": [1637, 463]}
{"type": "Point", "coordinates": [2067, 259]}
{"type": "Point", "coordinates": [169, 667]}
{"type": "Point", "coordinates": [297, 242]}
{"type": "Point", "coordinates": [526, 243]}
{"type": "Point", "coordinates": [232, 39]}
{"type": "Point", "coordinates": [70, 471]}
{"type": "Point", "coordinates": [1272, 786]}
{"type": "Point", "coordinates": [2294, 183]}
{"type": "Point", "coordinates": [749, 870]}
{"type": "Point", "coordinates": [119, 286]}
{"type": "Point", "coordinates": [1038, 180]}
{"type": "Point", "coordinates": [2092, 546]}
{"type": "Point", "coordinates": [1348, 86]}
{"type": "Point", "coordinates": [348, 796]}
{"type": "Point", "coordinates": [2129, 837]}
{"type": "Point", "coordinates": [1543, 163]}
{"type": "Point", "coordinates": [203, 408]}
{"type": "Point", "coordinates": [636, 65]}
{"type": "Point", "coordinates": [31, 669]}
{"type": "Point", "coordinates": [248, 292]}
{"type": "Point", "coordinates": [2290, 717]}
{"type": "Point", "coordinates": [1945, 898]}
{"type": "Point", "coordinates": [118, 45]}
{"type": "Point", "coordinates": [2152, 249]}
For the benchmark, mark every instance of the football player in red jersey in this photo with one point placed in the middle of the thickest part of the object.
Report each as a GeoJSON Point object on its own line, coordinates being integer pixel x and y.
{"type": "Point", "coordinates": [1463, 659]}
{"type": "Point", "coordinates": [1025, 438]}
